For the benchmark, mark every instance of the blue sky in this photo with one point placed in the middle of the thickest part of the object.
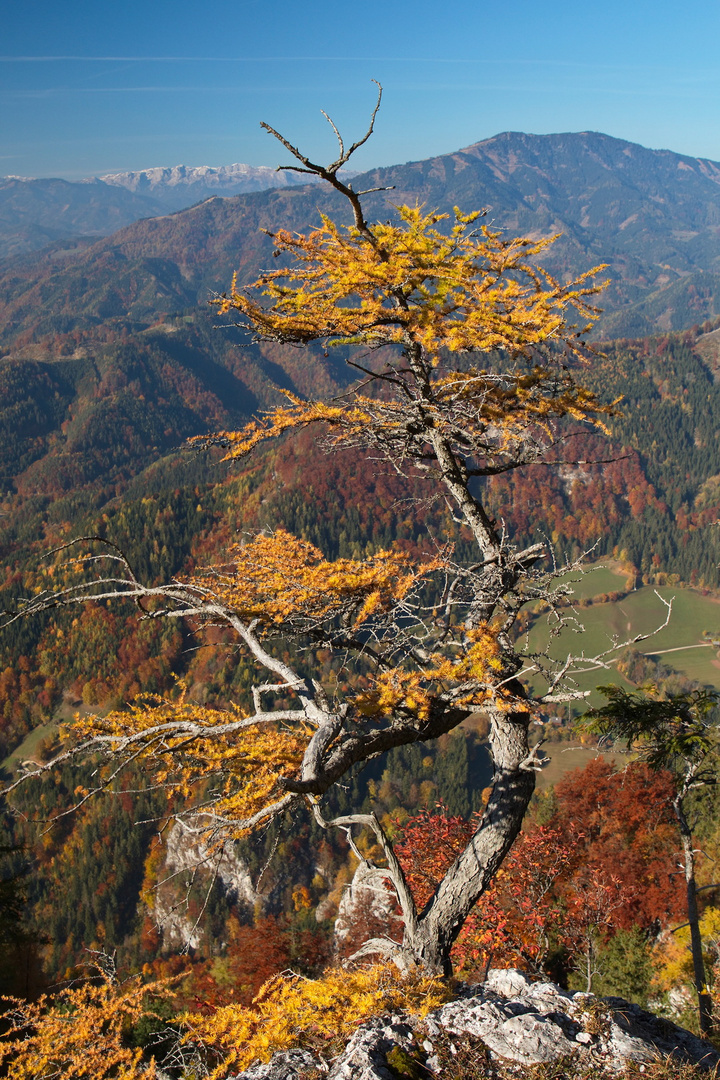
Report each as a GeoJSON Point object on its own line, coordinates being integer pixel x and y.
{"type": "Point", "coordinates": [88, 87]}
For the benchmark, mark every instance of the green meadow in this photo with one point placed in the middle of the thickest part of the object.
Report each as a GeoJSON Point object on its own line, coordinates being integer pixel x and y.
{"type": "Point", "coordinates": [592, 630]}
{"type": "Point", "coordinates": [595, 580]}
{"type": "Point", "coordinates": [29, 747]}
{"type": "Point", "coordinates": [601, 628]}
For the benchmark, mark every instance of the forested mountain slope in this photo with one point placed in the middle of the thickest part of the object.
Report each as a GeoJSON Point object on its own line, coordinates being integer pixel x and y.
{"type": "Point", "coordinates": [36, 213]}
{"type": "Point", "coordinates": [653, 216]}
{"type": "Point", "coordinates": [96, 449]}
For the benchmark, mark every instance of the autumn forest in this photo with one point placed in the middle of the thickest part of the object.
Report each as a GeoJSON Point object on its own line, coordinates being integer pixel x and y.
{"type": "Point", "coordinates": [289, 580]}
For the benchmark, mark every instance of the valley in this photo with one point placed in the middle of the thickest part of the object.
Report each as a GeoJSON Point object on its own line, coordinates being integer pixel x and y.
{"type": "Point", "coordinates": [111, 361]}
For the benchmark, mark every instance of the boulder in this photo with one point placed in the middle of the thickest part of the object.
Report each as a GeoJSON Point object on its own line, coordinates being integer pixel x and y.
{"type": "Point", "coordinates": [534, 1022]}
{"type": "Point", "coordinates": [286, 1065]}
{"type": "Point", "coordinates": [514, 1020]}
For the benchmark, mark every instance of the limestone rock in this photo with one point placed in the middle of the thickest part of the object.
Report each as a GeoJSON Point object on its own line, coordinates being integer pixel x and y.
{"type": "Point", "coordinates": [285, 1065]}
{"type": "Point", "coordinates": [367, 901]}
{"type": "Point", "coordinates": [365, 1057]}
{"type": "Point", "coordinates": [519, 1021]}
{"type": "Point", "coordinates": [185, 854]}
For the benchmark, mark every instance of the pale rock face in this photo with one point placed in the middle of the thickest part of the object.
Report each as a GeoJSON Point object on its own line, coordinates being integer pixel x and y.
{"type": "Point", "coordinates": [177, 929]}
{"type": "Point", "coordinates": [365, 1055]}
{"type": "Point", "coordinates": [289, 1065]}
{"type": "Point", "coordinates": [366, 898]}
{"type": "Point", "coordinates": [185, 852]}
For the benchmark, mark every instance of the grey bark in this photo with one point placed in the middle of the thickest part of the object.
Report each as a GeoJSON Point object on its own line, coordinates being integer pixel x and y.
{"type": "Point", "coordinates": [699, 976]}
{"type": "Point", "coordinates": [473, 870]}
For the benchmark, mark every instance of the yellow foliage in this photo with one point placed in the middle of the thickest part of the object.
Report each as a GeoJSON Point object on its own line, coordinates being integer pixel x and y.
{"type": "Point", "coordinates": [301, 897]}
{"type": "Point", "coordinates": [509, 407]}
{"type": "Point", "coordinates": [410, 285]}
{"type": "Point", "coordinates": [470, 290]}
{"type": "Point", "coordinates": [394, 690]}
{"type": "Point", "coordinates": [673, 956]}
{"type": "Point", "coordinates": [188, 745]}
{"type": "Point", "coordinates": [275, 583]}
{"type": "Point", "coordinates": [292, 1011]}
{"type": "Point", "coordinates": [472, 670]}
{"type": "Point", "coordinates": [79, 1033]}
{"type": "Point", "coordinates": [276, 578]}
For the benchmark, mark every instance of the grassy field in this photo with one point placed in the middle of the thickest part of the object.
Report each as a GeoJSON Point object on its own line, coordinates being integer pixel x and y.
{"type": "Point", "coordinates": [680, 645]}
{"type": "Point", "coordinates": [600, 578]}
{"type": "Point", "coordinates": [28, 748]}
{"type": "Point", "coordinates": [564, 758]}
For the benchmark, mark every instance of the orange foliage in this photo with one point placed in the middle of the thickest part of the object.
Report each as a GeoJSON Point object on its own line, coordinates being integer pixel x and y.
{"type": "Point", "coordinates": [467, 286]}
{"type": "Point", "coordinates": [513, 921]}
{"type": "Point", "coordinates": [628, 835]}
{"type": "Point", "coordinates": [278, 579]}
{"type": "Point", "coordinates": [188, 745]}
{"type": "Point", "coordinates": [79, 1033]}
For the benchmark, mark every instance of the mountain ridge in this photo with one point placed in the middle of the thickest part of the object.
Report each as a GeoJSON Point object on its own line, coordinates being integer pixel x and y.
{"type": "Point", "coordinates": [174, 185]}
{"type": "Point", "coordinates": [652, 216]}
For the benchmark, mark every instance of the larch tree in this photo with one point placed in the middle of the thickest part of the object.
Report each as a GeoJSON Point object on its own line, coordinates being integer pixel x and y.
{"type": "Point", "coordinates": [469, 358]}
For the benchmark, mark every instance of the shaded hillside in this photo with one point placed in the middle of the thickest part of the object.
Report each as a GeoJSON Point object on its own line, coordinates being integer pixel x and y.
{"type": "Point", "coordinates": [108, 422]}
{"type": "Point", "coordinates": [81, 427]}
{"type": "Point", "coordinates": [36, 213]}
{"type": "Point", "coordinates": [162, 265]}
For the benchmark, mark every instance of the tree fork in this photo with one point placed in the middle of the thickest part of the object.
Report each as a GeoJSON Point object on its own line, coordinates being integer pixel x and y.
{"type": "Point", "coordinates": [419, 669]}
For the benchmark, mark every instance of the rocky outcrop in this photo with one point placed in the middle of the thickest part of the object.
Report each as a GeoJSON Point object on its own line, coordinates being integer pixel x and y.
{"type": "Point", "coordinates": [367, 909]}
{"type": "Point", "coordinates": [187, 858]}
{"type": "Point", "coordinates": [290, 1065]}
{"type": "Point", "coordinates": [510, 1019]}
{"type": "Point", "coordinates": [184, 851]}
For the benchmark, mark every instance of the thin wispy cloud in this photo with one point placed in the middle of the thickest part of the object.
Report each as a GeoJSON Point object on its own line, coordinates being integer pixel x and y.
{"type": "Point", "coordinates": [236, 59]}
{"type": "Point", "coordinates": [546, 62]}
{"type": "Point", "coordinates": [129, 90]}
{"type": "Point", "coordinates": [509, 87]}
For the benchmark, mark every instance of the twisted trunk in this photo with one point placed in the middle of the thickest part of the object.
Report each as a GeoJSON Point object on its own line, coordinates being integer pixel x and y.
{"type": "Point", "coordinates": [428, 942]}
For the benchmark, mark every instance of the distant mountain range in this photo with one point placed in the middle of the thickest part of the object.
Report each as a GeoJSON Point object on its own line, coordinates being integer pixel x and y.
{"type": "Point", "coordinates": [36, 213]}
{"type": "Point", "coordinates": [183, 185]}
{"type": "Point", "coordinates": [652, 215]}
